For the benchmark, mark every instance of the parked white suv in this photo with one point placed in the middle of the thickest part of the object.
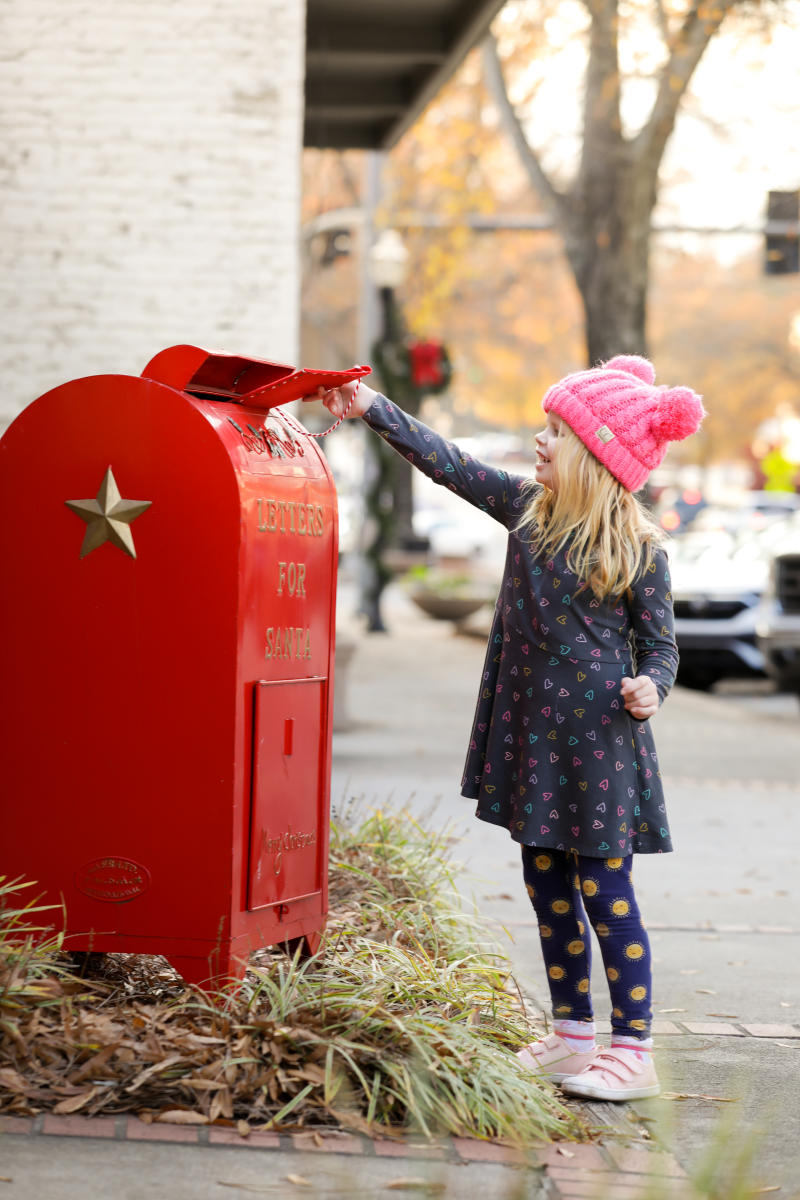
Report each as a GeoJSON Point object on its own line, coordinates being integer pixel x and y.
{"type": "Point", "coordinates": [720, 569]}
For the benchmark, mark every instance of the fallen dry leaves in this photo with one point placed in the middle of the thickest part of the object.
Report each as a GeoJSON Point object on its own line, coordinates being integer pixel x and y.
{"type": "Point", "coordinates": [133, 1038]}
{"type": "Point", "coordinates": [175, 1058]}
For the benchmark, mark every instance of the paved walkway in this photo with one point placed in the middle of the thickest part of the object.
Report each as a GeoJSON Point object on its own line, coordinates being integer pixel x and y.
{"type": "Point", "coordinates": [721, 911]}
{"type": "Point", "coordinates": [409, 697]}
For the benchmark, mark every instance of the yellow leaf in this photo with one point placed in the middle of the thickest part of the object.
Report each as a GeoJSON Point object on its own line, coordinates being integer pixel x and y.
{"type": "Point", "coordinates": [416, 1185]}
{"type": "Point", "coordinates": [161, 1065]}
{"type": "Point", "coordinates": [73, 1103]}
{"type": "Point", "coordinates": [312, 1072]}
{"type": "Point", "coordinates": [181, 1116]}
{"type": "Point", "coordinates": [11, 1079]}
{"type": "Point", "coordinates": [247, 1187]}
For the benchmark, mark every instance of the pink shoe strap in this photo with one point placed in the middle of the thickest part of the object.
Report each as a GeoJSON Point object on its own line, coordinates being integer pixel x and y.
{"type": "Point", "coordinates": [609, 1063]}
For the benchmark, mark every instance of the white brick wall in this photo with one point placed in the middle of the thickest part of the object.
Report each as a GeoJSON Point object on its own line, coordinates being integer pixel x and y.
{"type": "Point", "coordinates": [149, 183]}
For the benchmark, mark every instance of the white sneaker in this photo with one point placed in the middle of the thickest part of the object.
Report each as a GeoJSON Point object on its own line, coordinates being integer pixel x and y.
{"type": "Point", "coordinates": [615, 1074]}
{"type": "Point", "coordinates": [551, 1058]}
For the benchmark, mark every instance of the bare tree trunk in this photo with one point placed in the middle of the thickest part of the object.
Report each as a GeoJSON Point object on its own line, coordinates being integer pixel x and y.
{"type": "Point", "coordinates": [615, 305]}
{"type": "Point", "coordinates": [605, 215]}
{"type": "Point", "coordinates": [608, 247]}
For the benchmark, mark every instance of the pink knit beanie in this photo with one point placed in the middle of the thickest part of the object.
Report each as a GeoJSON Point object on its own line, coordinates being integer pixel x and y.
{"type": "Point", "coordinates": [622, 417]}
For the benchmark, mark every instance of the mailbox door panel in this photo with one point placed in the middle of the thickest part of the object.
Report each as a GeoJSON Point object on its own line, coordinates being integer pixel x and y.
{"type": "Point", "coordinates": [288, 749]}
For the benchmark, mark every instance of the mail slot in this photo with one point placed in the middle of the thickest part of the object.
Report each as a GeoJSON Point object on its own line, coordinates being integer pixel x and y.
{"type": "Point", "coordinates": [169, 549]}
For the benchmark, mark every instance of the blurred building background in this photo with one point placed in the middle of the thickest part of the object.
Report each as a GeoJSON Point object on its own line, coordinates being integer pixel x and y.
{"type": "Point", "coordinates": [150, 177]}
{"type": "Point", "coordinates": [151, 181]}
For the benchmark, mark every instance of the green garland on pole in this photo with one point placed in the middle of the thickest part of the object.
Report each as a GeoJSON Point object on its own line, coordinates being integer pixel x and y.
{"type": "Point", "coordinates": [394, 362]}
{"type": "Point", "coordinates": [408, 371]}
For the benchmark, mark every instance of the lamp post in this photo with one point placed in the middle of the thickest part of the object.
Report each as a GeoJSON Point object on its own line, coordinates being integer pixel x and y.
{"type": "Point", "coordinates": [408, 370]}
{"type": "Point", "coordinates": [387, 260]}
{"type": "Point", "coordinates": [389, 265]}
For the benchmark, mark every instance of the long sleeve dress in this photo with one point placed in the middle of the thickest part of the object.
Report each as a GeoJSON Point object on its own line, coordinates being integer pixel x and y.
{"type": "Point", "coordinates": [554, 756]}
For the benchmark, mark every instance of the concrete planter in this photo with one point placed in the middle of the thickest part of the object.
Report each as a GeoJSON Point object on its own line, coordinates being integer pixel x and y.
{"type": "Point", "coordinates": [444, 607]}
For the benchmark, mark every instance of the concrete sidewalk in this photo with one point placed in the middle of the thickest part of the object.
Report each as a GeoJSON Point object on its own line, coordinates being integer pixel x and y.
{"type": "Point", "coordinates": [121, 1158]}
{"type": "Point", "coordinates": [721, 911]}
{"type": "Point", "coordinates": [410, 697]}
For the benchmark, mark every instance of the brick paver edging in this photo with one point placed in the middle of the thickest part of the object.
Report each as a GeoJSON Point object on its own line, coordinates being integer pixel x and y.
{"type": "Point", "coordinates": [572, 1170]}
{"type": "Point", "coordinates": [733, 1028]}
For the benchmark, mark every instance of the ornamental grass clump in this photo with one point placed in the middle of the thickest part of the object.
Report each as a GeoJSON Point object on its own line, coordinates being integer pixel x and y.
{"type": "Point", "coordinates": [407, 1018]}
{"type": "Point", "coordinates": [30, 976]}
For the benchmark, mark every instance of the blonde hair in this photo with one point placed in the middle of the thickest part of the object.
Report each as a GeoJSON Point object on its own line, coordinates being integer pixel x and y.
{"type": "Point", "coordinates": [609, 535]}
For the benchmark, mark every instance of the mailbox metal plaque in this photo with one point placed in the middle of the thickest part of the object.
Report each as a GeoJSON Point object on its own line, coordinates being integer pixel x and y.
{"type": "Point", "coordinates": [285, 819]}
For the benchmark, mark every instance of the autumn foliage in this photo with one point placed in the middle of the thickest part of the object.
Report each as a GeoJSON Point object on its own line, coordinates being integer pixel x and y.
{"type": "Point", "coordinates": [505, 299]}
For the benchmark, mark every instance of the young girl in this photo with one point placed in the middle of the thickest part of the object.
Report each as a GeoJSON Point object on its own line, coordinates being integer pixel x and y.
{"type": "Point", "coordinates": [580, 656]}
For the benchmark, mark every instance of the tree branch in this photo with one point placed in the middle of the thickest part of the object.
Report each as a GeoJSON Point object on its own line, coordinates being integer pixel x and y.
{"type": "Point", "coordinates": [602, 126]}
{"type": "Point", "coordinates": [540, 180]}
{"type": "Point", "coordinates": [662, 21]}
{"type": "Point", "coordinates": [700, 24]}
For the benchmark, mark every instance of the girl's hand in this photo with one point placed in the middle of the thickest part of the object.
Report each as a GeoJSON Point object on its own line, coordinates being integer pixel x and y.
{"type": "Point", "coordinates": [640, 696]}
{"type": "Point", "coordinates": [337, 399]}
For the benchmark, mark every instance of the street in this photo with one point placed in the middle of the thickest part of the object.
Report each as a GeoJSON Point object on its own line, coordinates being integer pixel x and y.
{"type": "Point", "coordinates": [722, 910]}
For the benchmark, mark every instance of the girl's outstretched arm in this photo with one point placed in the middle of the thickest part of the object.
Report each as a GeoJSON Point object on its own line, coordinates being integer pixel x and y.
{"type": "Point", "coordinates": [489, 489]}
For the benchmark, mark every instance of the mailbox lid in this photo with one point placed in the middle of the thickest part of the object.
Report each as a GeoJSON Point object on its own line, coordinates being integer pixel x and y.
{"type": "Point", "coordinates": [287, 822]}
{"type": "Point", "coordinates": [254, 381]}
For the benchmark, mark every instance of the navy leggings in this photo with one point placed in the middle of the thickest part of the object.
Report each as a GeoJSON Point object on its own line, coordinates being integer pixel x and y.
{"type": "Point", "coordinates": [565, 888]}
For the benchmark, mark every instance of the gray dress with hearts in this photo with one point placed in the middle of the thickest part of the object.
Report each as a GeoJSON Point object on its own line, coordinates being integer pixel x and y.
{"type": "Point", "coordinates": [554, 756]}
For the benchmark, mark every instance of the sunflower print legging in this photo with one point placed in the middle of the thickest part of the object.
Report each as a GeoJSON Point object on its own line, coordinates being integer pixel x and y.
{"type": "Point", "coordinates": [565, 887]}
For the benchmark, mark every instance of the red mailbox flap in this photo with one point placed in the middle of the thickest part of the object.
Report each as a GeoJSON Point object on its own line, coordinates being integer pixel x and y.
{"type": "Point", "coordinates": [286, 815]}
{"type": "Point", "coordinates": [252, 381]}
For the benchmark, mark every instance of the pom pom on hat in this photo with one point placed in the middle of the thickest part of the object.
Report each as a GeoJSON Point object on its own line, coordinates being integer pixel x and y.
{"type": "Point", "coordinates": [622, 417]}
{"type": "Point", "coordinates": [679, 413]}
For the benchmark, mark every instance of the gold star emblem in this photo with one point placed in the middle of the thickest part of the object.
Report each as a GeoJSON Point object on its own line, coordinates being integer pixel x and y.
{"type": "Point", "coordinates": [108, 517]}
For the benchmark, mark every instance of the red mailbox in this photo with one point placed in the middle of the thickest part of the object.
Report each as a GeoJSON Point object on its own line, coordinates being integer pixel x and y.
{"type": "Point", "coordinates": [169, 547]}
